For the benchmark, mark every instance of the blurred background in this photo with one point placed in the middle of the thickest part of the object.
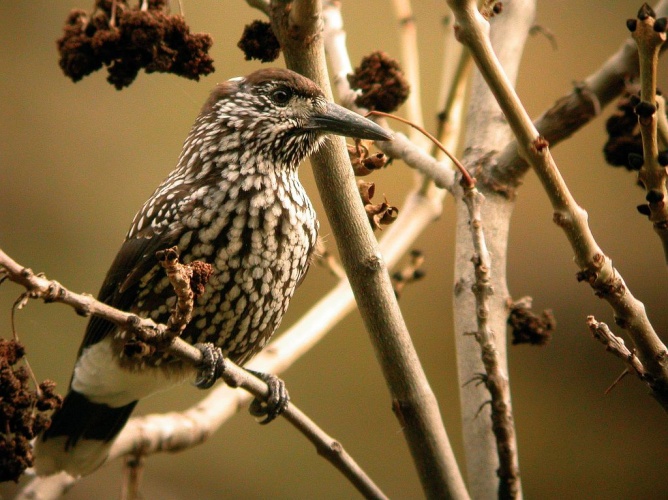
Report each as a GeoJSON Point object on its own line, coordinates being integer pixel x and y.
{"type": "Point", "coordinates": [78, 160]}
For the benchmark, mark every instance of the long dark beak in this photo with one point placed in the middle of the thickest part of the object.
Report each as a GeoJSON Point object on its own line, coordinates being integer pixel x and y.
{"type": "Point", "coordinates": [338, 120]}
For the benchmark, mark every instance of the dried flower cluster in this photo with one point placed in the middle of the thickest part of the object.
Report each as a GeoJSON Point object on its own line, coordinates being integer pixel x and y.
{"type": "Point", "coordinates": [380, 214]}
{"type": "Point", "coordinates": [258, 41]}
{"type": "Point", "coordinates": [362, 161]}
{"type": "Point", "coordinates": [127, 39]}
{"type": "Point", "coordinates": [381, 81]}
{"type": "Point", "coordinates": [529, 328]}
{"type": "Point", "coordinates": [23, 412]}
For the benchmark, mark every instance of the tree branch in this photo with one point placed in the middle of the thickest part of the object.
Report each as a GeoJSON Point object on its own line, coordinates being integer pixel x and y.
{"type": "Point", "coordinates": [595, 267]}
{"type": "Point", "coordinates": [573, 111]}
{"type": "Point", "coordinates": [616, 346]}
{"type": "Point", "coordinates": [413, 400]}
{"type": "Point", "coordinates": [652, 174]}
{"type": "Point", "coordinates": [177, 431]}
{"type": "Point", "coordinates": [486, 132]}
{"type": "Point", "coordinates": [495, 377]}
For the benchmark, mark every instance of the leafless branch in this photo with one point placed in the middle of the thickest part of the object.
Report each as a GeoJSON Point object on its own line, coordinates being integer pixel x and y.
{"type": "Point", "coordinates": [414, 402]}
{"type": "Point", "coordinates": [652, 174]}
{"type": "Point", "coordinates": [573, 111]}
{"type": "Point", "coordinates": [168, 438]}
{"type": "Point", "coordinates": [495, 378]}
{"type": "Point", "coordinates": [595, 267]}
{"type": "Point", "coordinates": [616, 346]}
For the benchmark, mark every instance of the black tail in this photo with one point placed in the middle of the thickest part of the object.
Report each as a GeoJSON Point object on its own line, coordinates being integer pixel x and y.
{"type": "Point", "coordinates": [80, 435]}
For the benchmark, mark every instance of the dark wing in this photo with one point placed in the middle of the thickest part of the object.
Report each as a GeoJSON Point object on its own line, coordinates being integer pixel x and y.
{"type": "Point", "coordinates": [135, 259]}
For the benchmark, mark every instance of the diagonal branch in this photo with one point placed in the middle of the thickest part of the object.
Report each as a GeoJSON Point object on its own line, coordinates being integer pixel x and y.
{"type": "Point", "coordinates": [177, 431]}
{"type": "Point", "coordinates": [616, 346]}
{"type": "Point", "coordinates": [413, 399]}
{"type": "Point", "coordinates": [649, 34]}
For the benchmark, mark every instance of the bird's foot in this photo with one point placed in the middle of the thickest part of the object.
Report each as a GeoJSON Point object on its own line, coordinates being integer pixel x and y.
{"type": "Point", "coordinates": [212, 367]}
{"type": "Point", "coordinates": [277, 399]}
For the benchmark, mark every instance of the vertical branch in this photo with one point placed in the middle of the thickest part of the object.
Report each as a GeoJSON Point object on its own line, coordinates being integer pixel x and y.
{"type": "Point", "coordinates": [649, 34]}
{"type": "Point", "coordinates": [487, 132]}
{"type": "Point", "coordinates": [413, 399]}
{"type": "Point", "coordinates": [495, 378]}
{"type": "Point", "coordinates": [410, 61]}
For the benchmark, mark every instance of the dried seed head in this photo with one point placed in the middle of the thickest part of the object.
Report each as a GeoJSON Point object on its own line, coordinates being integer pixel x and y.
{"type": "Point", "coordinates": [133, 40]}
{"type": "Point", "coordinates": [23, 411]}
{"type": "Point", "coordinates": [381, 82]}
{"type": "Point", "coordinates": [529, 328]}
{"type": "Point", "coordinates": [258, 41]}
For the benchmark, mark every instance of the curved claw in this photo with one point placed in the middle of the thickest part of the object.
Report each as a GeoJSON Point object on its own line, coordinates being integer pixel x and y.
{"type": "Point", "coordinates": [212, 367]}
{"type": "Point", "coordinates": [277, 399]}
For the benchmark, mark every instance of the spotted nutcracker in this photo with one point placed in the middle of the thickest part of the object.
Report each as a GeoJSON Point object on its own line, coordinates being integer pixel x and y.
{"type": "Point", "coordinates": [234, 201]}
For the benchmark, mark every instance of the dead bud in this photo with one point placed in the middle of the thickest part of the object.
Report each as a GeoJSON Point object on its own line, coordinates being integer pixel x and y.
{"type": "Point", "coordinates": [527, 327]}
{"type": "Point", "coordinates": [381, 214]}
{"type": "Point", "coordinates": [201, 272]}
{"type": "Point", "coordinates": [410, 273]}
{"type": "Point", "coordinates": [24, 413]}
{"type": "Point", "coordinates": [364, 163]}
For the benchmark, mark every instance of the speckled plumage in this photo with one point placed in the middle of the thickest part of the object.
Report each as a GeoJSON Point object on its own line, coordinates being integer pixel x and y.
{"type": "Point", "coordinates": [234, 201]}
{"type": "Point", "coordinates": [245, 212]}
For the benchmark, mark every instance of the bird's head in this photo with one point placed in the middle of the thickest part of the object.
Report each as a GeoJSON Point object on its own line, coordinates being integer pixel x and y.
{"type": "Point", "coordinates": [280, 115]}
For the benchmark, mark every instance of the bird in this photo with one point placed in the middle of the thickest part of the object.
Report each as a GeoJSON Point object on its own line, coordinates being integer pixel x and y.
{"type": "Point", "coordinates": [234, 201]}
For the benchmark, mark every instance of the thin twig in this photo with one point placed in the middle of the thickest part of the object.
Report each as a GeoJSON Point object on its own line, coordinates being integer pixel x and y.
{"type": "Point", "coordinates": [410, 61]}
{"type": "Point", "coordinates": [617, 347]}
{"type": "Point", "coordinates": [133, 471]}
{"type": "Point", "coordinates": [455, 93]}
{"type": "Point", "coordinates": [652, 175]}
{"type": "Point", "coordinates": [467, 180]}
{"type": "Point", "coordinates": [494, 379]}
{"type": "Point", "coordinates": [596, 268]}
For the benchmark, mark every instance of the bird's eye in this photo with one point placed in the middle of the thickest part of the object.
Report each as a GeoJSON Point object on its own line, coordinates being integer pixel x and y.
{"type": "Point", "coordinates": [281, 96]}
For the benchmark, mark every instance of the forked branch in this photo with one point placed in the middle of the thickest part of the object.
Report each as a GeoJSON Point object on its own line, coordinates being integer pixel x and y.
{"type": "Point", "coordinates": [595, 267]}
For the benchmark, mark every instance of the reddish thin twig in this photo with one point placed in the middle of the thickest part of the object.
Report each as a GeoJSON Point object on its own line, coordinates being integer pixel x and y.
{"type": "Point", "coordinates": [468, 181]}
